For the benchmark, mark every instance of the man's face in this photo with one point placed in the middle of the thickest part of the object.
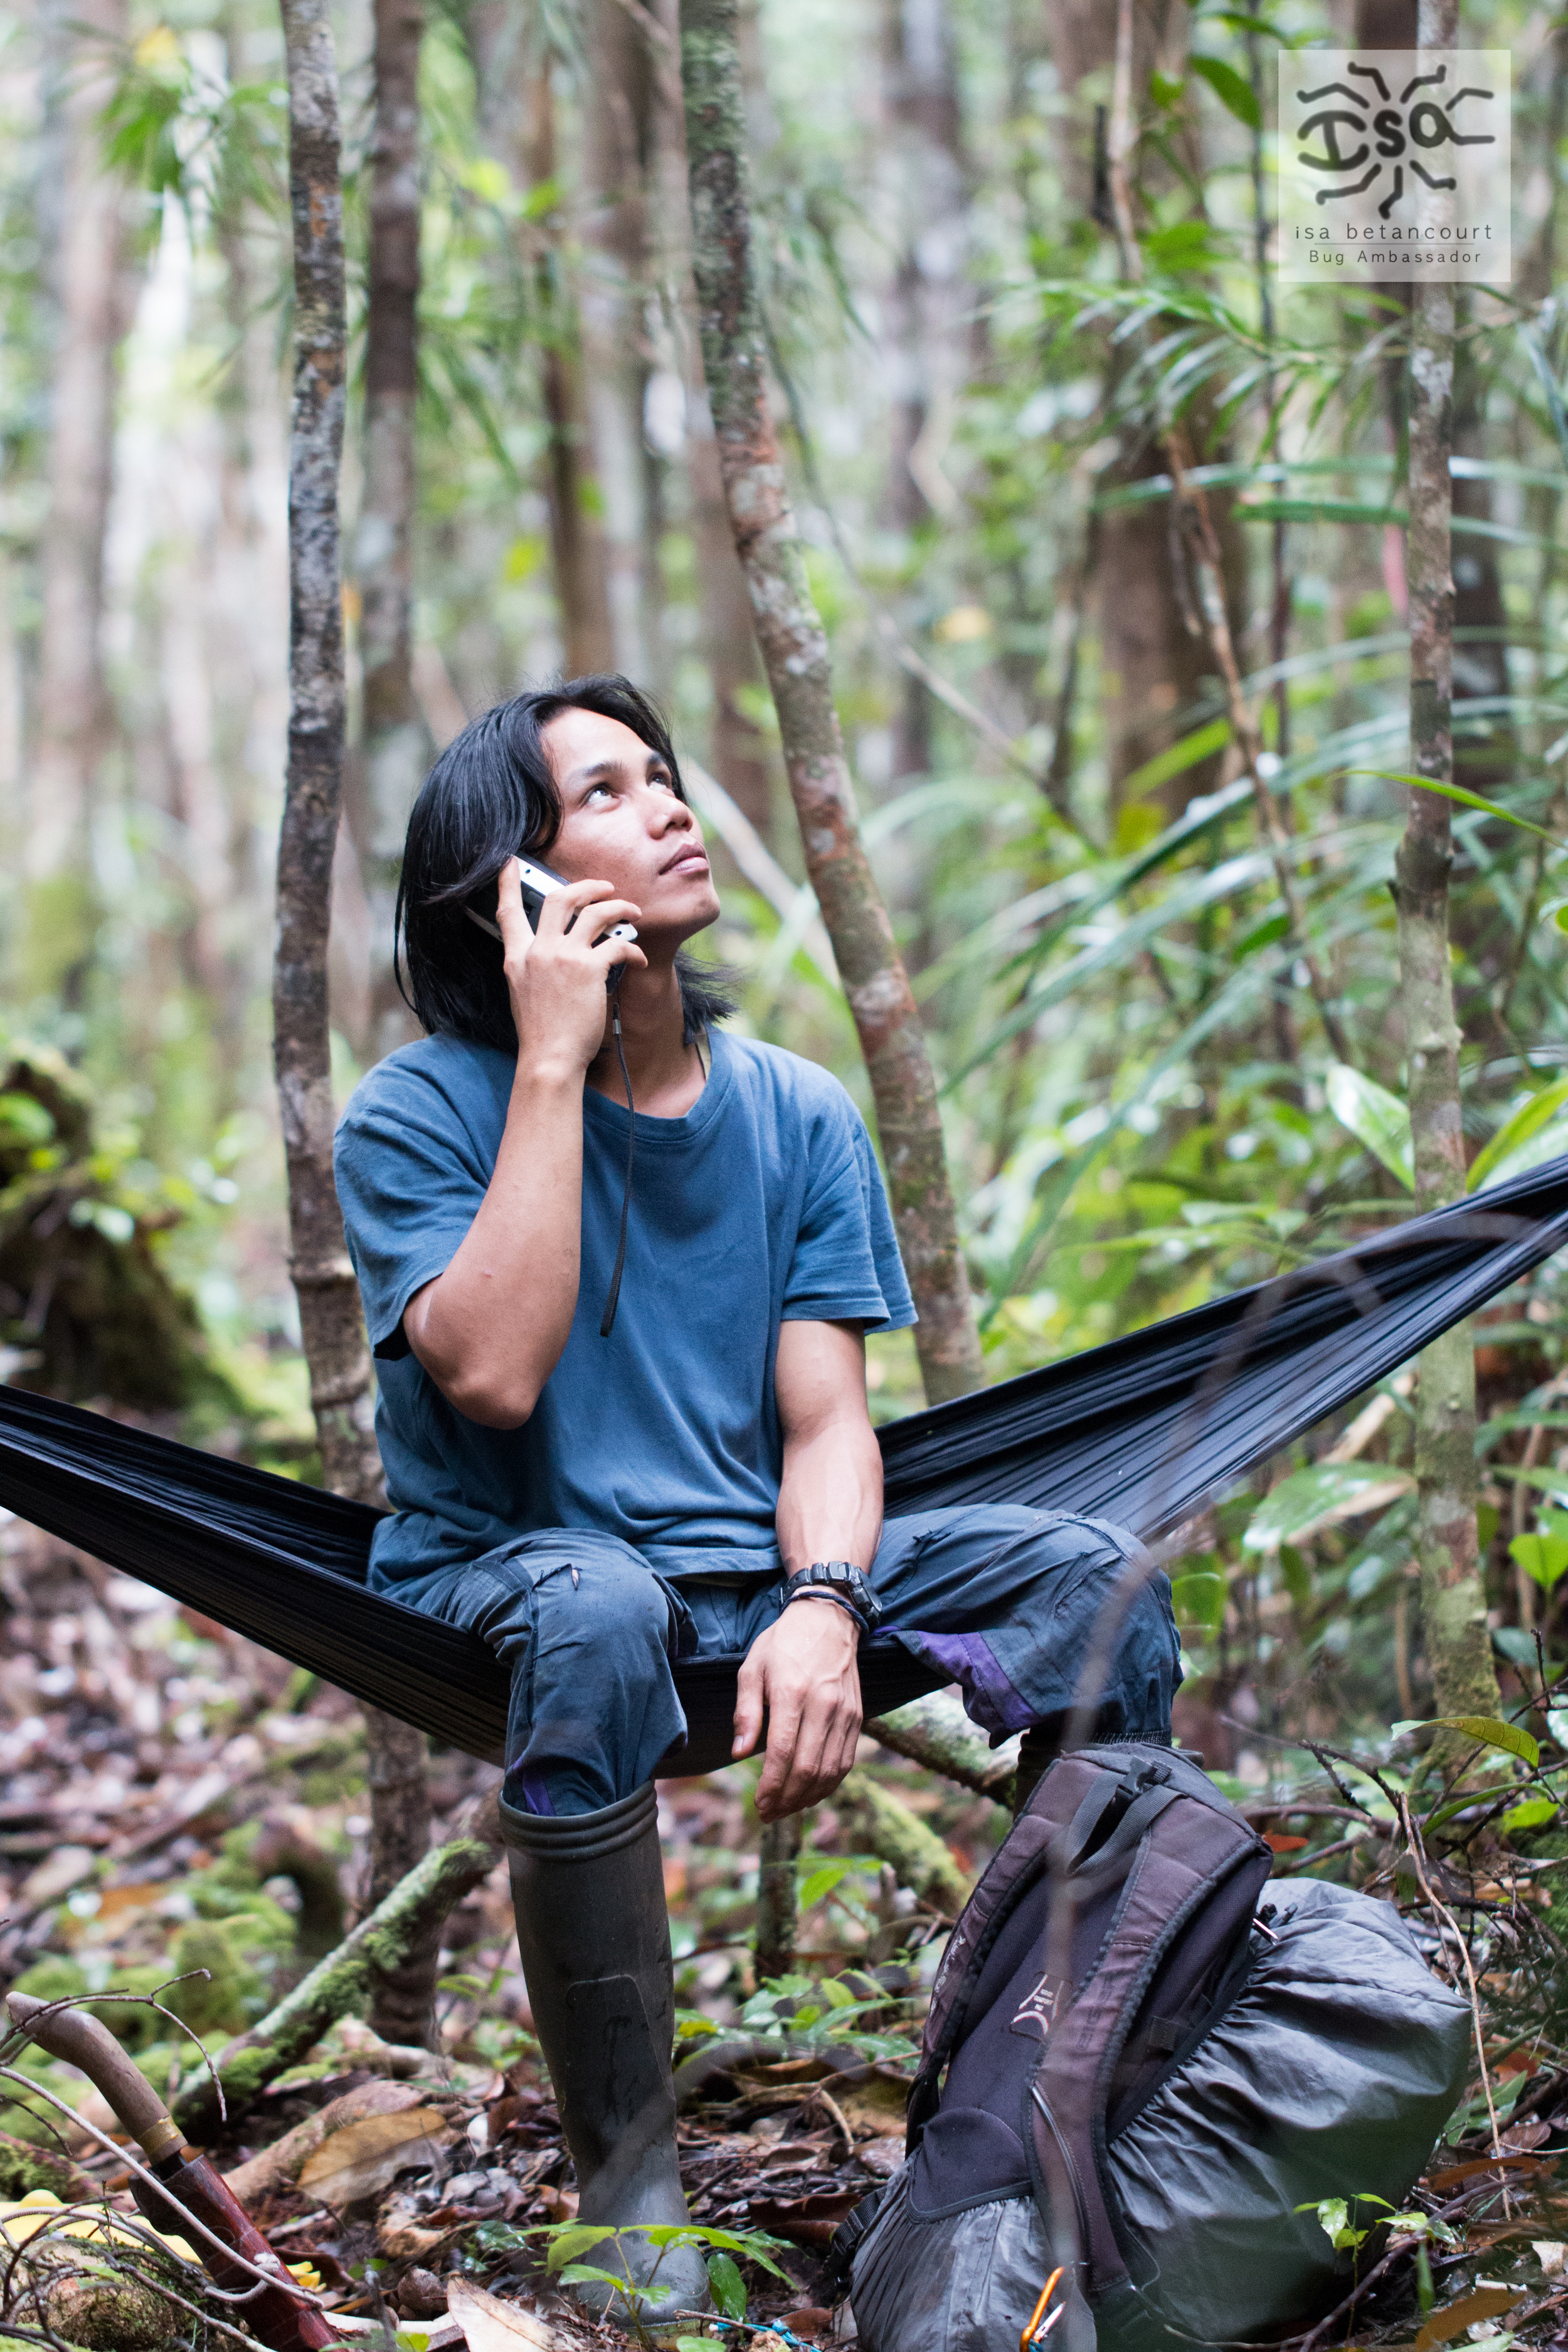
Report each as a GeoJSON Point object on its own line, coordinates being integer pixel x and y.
{"type": "Point", "coordinates": [622, 822]}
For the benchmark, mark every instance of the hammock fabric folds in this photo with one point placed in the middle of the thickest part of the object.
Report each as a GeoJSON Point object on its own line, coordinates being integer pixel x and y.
{"type": "Point", "coordinates": [1139, 1432]}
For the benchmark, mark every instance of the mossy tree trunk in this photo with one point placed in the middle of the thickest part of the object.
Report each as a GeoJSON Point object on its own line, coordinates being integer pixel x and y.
{"type": "Point", "coordinates": [1453, 1597]}
{"type": "Point", "coordinates": [794, 653]}
{"type": "Point", "coordinates": [331, 1323]}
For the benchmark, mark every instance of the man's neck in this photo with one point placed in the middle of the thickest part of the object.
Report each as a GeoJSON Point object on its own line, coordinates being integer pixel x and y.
{"type": "Point", "coordinates": [666, 1073]}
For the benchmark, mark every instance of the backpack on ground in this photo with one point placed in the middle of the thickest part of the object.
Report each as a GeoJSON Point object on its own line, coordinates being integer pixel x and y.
{"type": "Point", "coordinates": [1134, 2068]}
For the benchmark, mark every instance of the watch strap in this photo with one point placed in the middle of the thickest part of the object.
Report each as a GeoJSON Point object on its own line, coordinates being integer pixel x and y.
{"type": "Point", "coordinates": [845, 1582]}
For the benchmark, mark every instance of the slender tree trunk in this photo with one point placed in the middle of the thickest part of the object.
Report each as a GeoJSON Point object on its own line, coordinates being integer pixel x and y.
{"type": "Point", "coordinates": [86, 219]}
{"type": "Point", "coordinates": [403, 2006]}
{"type": "Point", "coordinates": [617, 125]}
{"type": "Point", "coordinates": [794, 653]}
{"type": "Point", "coordinates": [926, 341]}
{"type": "Point", "coordinates": [778, 1900]}
{"type": "Point", "coordinates": [738, 751]}
{"type": "Point", "coordinates": [1453, 1597]}
{"type": "Point", "coordinates": [576, 523]}
{"type": "Point", "coordinates": [1153, 661]}
{"type": "Point", "coordinates": [515, 103]}
{"type": "Point", "coordinates": [331, 1320]}
{"type": "Point", "coordinates": [393, 737]}
{"type": "Point", "coordinates": [737, 748]}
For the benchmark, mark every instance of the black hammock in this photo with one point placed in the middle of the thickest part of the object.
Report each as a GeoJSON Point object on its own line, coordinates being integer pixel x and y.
{"type": "Point", "coordinates": [1140, 1431]}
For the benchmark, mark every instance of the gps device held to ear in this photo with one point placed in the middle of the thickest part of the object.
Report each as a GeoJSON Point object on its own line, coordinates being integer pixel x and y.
{"type": "Point", "coordinates": [540, 882]}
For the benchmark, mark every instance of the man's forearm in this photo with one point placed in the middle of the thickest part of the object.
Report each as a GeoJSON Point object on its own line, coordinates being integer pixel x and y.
{"type": "Point", "coordinates": [830, 1495]}
{"type": "Point", "coordinates": [489, 1331]}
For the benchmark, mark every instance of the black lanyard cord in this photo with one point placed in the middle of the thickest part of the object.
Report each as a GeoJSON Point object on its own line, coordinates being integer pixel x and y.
{"type": "Point", "coordinates": [608, 1322]}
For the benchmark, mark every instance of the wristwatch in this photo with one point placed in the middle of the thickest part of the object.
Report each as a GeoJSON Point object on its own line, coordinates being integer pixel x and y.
{"type": "Point", "coordinates": [840, 1580]}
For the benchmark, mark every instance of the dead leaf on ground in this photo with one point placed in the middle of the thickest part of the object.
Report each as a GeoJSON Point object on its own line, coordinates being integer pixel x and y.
{"type": "Point", "coordinates": [406, 2235]}
{"type": "Point", "coordinates": [1485, 2303]}
{"type": "Point", "coordinates": [364, 2158]}
{"type": "Point", "coordinates": [491, 2326]}
{"type": "Point", "coordinates": [880, 2104]}
{"type": "Point", "coordinates": [807, 2220]}
{"type": "Point", "coordinates": [1519, 2167]}
{"type": "Point", "coordinates": [278, 2167]}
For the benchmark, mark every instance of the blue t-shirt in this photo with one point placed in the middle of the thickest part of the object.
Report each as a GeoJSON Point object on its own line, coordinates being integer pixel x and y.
{"type": "Point", "coordinates": [764, 1204]}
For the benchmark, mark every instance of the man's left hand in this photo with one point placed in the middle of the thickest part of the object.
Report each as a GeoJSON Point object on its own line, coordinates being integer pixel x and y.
{"type": "Point", "coordinates": [802, 1672]}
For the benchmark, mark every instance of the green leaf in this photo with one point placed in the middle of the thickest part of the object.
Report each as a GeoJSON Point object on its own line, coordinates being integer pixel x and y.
{"type": "Point", "coordinates": [1176, 762]}
{"type": "Point", "coordinates": [1315, 510]}
{"type": "Point", "coordinates": [1375, 1116]}
{"type": "Point", "coordinates": [1233, 91]}
{"type": "Point", "coordinates": [576, 2238]}
{"type": "Point", "coordinates": [1550, 1481]}
{"type": "Point", "coordinates": [1544, 1558]}
{"type": "Point", "coordinates": [1457, 793]}
{"type": "Point", "coordinates": [1334, 2221]}
{"type": "Point", "coordinates": [1528, 1814]}
{"type": "Point", "coordinates": [1319, 1497]}
{"type": "Point", "coordinates": [23, 1120]}
{"type": "Point", "coordinates": [1199, 1600]}
{"type": "Point", "coordinates": [1186, 245]}
{"type": "Point", "coordinates": [1537, 1131]}
{"type": "Point", "coordinates": [727, 2286]}
{"type": "Point", "coordinates": [820, 1877]}
{"type": "Point", "coordinates": [1491, 1731]}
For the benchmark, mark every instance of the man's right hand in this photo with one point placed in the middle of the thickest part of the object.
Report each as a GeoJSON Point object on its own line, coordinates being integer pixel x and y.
{"type": "Point", "coordinates": [556, 978]}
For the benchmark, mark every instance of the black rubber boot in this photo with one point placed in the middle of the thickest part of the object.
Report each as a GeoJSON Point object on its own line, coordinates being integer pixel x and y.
{"type": "Point", "coordinates": [593, 1933]}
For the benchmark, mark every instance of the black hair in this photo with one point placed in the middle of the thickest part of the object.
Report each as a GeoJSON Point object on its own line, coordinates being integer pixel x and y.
{"type": "Point", "coordinates": [489, 796]}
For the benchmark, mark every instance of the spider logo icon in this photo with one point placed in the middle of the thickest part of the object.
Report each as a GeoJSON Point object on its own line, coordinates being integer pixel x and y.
{"type": "Point", "coordinates": [1388, 128]}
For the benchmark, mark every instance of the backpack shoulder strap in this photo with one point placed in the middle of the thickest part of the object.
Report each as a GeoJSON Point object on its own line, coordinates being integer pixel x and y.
{"type": "Point", "coordinates": [1189, 1850]}
{"type": "Point", "coordinates": [1066, 1803]}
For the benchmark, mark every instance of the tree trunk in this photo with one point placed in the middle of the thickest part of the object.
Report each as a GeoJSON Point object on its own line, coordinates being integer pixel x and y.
{"type": "Point", "coordinates": [84, 237]}
{"type": "Point", "coordinates": [1153, 663]}
{"type": "Point", "coordinates": [516, 109]}
{"type": "Point", "coordinates": [394, 748]}
{"type": "Point", "coordinates": [1453, 1597]}
{"type": "Point", "coordinates": [617, 130]}
{"type": "Point", "coordinates": [794, 653]}
{"type": "Point", "coordinates": [331, 1324]}
{"type": "Point", "coordinates": [925, 338]}
{"type": "Point", "coordinates": [330, 1315]}
{"type": "Point", "coordinates": [403, 2006]}
{"type": "Point", "coordinates": [737, 748]}
{"type": "Point", "coordinates": [778, 1900]}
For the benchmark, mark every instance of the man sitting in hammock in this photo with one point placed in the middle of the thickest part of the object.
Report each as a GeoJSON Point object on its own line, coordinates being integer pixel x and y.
{"type": "Point", "coordinates": [598, 1484]}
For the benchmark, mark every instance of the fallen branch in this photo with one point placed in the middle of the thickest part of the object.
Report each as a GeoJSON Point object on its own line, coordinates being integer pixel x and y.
{"type": "Point", "coordinates": [935, 1731]}
{"type": "Point", "coordinates": [377, 1949]}
{"type": "Point", "coordinates": [879, 1823]}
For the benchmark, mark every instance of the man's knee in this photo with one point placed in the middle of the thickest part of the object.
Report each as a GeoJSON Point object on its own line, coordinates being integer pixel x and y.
{"type": "Point", "coordinates": [593, 1599]}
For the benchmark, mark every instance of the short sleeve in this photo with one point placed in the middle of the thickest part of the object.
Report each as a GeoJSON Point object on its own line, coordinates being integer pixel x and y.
{"type": "Point", "coordinates": [411, 1177]}
{"type": "Point", "coordinates": [845, 1268]}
